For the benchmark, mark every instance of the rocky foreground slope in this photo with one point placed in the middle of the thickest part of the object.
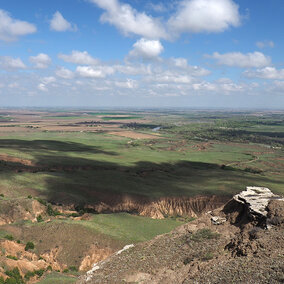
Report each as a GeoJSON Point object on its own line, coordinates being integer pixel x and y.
{"type": "Point", "coordinates": [242, 242]}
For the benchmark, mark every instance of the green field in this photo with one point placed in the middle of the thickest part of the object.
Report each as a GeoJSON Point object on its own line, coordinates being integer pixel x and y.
{"type": "Point", "coordinates": [130, 228]}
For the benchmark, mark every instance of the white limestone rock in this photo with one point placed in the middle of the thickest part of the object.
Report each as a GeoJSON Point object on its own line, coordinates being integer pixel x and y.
{"type": "Point", "coordinates": [257, 199]}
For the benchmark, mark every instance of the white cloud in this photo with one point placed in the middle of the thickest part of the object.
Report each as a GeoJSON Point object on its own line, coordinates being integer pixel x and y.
{"type": "Point", "coordinates": [10, 63]}
{"type": "Point", "coordinates": [128, 84]}
{"type": "Point", "coordinates": [48, 80]}
{"type": "Point", "coordinates": [130, 21]}
{"type": "Point", "coordinates": [11, 29]}
{"type": "Point", "coordinates": [44, 82]}
{"type": "Point", "coordinates": [40, 61]}
{"type": "Point", "coordinates": [146, 48]}
{"type": "Point", "coordinates": [180, 62]}
{"type": "Point", "coordinates": [79, 57]}
{"type": "Point", "coordinates": [157, 7]}
{"type": "Point", "coordinates": [263, 44]}
{"type": "Point", "coordinates": [42, 87]}
{"type": "Point", "coordinates": [197, 16]}
{"type": "Point", "coordinates": [266, 73]}
{"type": "Point", "coordinates": [238, 59]}
{"type": "Point", "coordinates": [134, 69]}
{"type": "Point", "coordinates": [64, 73]}
{"type": "Point", "coordinates": [98, 72]}
{"type": "Point", "coordinates": [59, 24]}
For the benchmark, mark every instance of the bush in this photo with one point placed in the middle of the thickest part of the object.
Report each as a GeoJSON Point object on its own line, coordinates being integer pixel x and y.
{"type": "Point", "coordinates": [29, 245]}
{"type": "Point", "coordinates": [41, 201]}
{"type": "Point", "coordinates": [29, 275]}
{"type": "Point", "coordinates": [39, 272]}
{"type": "Point", "coordinates": [9, 237]}
{"type": "Point", "coordinates": [39, 218]}
{"type": "Point", "coordinates": [2, 195]}
{"type": "Point", "coordinates": [207, 256]}
{"type": "Point", "coordinates": [204, 234]}
{"type": "Point", "coordinates": [15, 277]}
{"type": "Point", "coordinates": [30, 197]}
{"type": "Point", "coordinates": [51, 212]}
{"type": "Point", "coordinates": [12, 257]}
{"type": "Point", "coordinates": [73, 268]}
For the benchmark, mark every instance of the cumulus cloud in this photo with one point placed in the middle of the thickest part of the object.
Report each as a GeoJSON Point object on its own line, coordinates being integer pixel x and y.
{"type": "Point", "coordinates": [91, 72]}
{"type": "Point", "coordinates": [197, 16]}
{"type": "Point", "coordinates": [59, 24]}
{"type": "Point", "coordinates": [238, 59]}
{"type": "Point", "coordinates": [146, 48]}
{"type": "Point", "coordinates": [64, 73]}
{"type": "Point", "coordinates": [263, 44]}
{"type": "Point", "coordinates": [130, 21]}
{"type": "Point", "coordinates": [44, 82]}
{"type": "Point", "coordinates": [266, 73]}
{"type": "Point", "coordinates": [79, 57]}
{"type": "Point", "coordinates": [11, 29]}
{"type": "Point", "coordinates": [40, 61]}
{"type": "Point", "coordinates": [10, 63]}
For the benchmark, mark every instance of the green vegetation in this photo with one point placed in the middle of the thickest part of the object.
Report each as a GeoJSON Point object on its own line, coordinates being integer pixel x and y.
{"type": "Point", "coordinates": [14, 277]}
{"type": "Point", "coordinates": [12, 257]}
{"type": "Point", "coordinates": [29, 246]}
{"type": "Point", "coordinates": [9, 237]}
{"type": "Point", "coordinates": [39, 218]}
{"type": "Point", "coordinates": [57, 278]}
{"type": "Point", "coordinates": [204, 234]}
{"type": "Point", "coordinates": [129, 228]}
{"type": "Point", "coordinates": [120, 117]}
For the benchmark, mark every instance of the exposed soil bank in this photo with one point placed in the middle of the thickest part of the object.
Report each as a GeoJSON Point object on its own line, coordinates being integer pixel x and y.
{"type": "Point", "coordinates": [157, 209]}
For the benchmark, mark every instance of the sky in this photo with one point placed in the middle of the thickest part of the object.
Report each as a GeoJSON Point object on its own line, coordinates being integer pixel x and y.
{"type": "Point", "coordinates": [142, 53]}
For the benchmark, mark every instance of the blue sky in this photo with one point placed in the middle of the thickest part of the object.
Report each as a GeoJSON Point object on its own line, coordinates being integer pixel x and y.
{"type": "Point", "coordinates": [114, 53]}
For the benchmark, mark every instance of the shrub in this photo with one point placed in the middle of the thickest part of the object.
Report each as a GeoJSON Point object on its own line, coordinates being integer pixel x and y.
{"type": "Point", "coordinates": [39, 218]}
{"type": "Point", "coordinates": [15, 277]}
{"type": "Point", "coordinates": [51, 212]}
{"type": "Point", "coordinates": [39, 272]}
{"type": "Point", "coordinates": [9, 237]}
{"type": "Point", "coordinates": [73, 268]}
{"type": "Point", "coordinates": [66, 270]}
{"type": "Point", "coordinates": [30, 197]}
{"type": "Point", "coordinates": [204, 234]}
{"type": "Point", "coordinates": [41, 201]}
{"type": "Point", "coordinates": [207, 256]}
{"type": "Point", "coordinates": [1, 194]}
{"type": "Point", "coordinates": [12, 257]}
{"type": "Point", "coordinates": [29, 245]}
{"type": "Point", "coordinates": [29, 274]}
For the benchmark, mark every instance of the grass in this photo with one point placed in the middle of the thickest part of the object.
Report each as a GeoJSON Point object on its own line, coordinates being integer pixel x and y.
{"type": "Point", "coordinates": [129, 228]}
{"type": "Point", "coordinates": [57, 278]}
{"type": "Point", "coordinates": [120, 117]}
{"type": "Point", "coordinates": [117, 166]}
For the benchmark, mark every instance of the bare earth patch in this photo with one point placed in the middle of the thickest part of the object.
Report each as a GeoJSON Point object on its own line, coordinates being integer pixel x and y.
{"type": "Point", "coordinates": [134, 135]}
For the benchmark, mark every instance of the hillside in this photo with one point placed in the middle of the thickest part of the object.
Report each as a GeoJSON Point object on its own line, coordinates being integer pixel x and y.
{"type": "Point", "coordinates": [242, 242]}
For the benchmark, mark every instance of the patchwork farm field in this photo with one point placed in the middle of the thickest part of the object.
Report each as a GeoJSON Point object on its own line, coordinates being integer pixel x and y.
{"type": "Point", "coordinates": [115, 175]}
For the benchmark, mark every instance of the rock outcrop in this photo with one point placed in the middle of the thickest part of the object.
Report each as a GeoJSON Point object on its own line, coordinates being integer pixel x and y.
{"type": "Point", "coordinates": [257, 199]}
{"type": "Point", "coordinates": [201, 252]}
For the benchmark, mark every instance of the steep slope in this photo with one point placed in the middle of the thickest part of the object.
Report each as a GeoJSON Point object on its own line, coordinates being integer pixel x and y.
{"type": "Point", "coordinates": [247, 246]}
